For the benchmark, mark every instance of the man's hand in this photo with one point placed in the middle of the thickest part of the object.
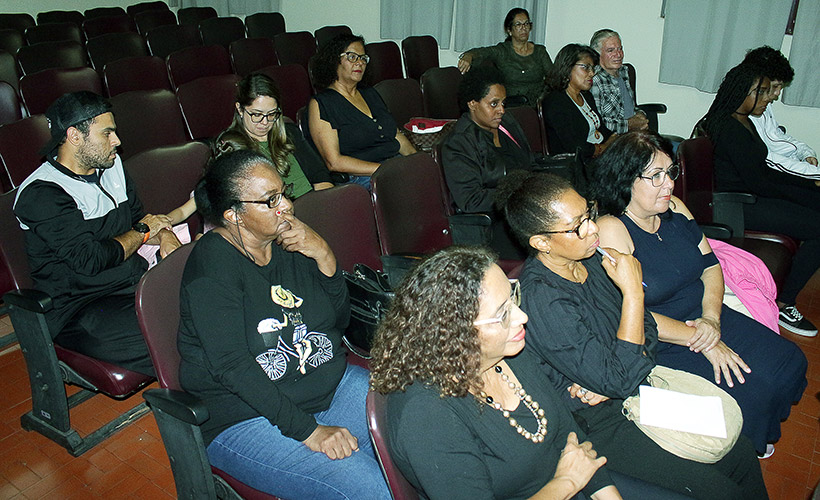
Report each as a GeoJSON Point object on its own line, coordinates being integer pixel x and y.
{"type": "Point", "coordinates": [168, 242]}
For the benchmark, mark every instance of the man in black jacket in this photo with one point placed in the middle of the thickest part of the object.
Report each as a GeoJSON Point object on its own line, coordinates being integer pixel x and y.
{"type": "Point", "coordinates": [83, 224]}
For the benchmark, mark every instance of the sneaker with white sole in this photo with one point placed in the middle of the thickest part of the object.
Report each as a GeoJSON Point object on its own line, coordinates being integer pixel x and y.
{"type": "Point", "coordinates": [769, 452]}
{"type": "Point", "coordinates": [791, 319]}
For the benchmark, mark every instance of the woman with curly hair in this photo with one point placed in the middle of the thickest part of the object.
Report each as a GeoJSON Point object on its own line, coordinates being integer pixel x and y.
{"type": "Point", "coordinates": [595, 343]}
{"type": "Point", "coordinates": [350, 126]}
{"type": "Point", "coordinates": [467, 418]}
{"type": "Point", "coordinates": [764, 372]}
{"type": "Point", "coordinates": [570, 114]}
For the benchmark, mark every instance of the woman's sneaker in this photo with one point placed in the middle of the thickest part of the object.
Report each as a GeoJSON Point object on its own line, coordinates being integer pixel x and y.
{"type": "Point", "coordinates": [791, 319]}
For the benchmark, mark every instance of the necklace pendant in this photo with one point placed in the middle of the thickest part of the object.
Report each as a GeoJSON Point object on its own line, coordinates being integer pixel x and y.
{"type": "Point", "coordinates": [659, 237]}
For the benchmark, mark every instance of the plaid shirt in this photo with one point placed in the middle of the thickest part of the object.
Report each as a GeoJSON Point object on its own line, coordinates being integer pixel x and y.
{"type": "Point", "coordinates": [608, 98]}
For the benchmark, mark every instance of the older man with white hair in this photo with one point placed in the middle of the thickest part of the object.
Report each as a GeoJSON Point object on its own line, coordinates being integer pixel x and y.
{"type": "Point", "coordinates": [610, 85]}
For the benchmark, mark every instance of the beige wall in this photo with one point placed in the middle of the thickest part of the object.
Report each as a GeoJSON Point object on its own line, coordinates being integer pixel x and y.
{"type": "Point", "coordinates": [637, 21]}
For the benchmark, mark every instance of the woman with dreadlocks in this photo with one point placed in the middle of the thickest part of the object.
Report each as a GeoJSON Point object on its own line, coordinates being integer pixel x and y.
{"type": "Point", "coordinates": [785, 203]}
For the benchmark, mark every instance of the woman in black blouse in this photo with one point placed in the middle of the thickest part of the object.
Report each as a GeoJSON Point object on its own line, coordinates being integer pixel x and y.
{"type": "Point", "coordinates": [785, 203]}
{"type": "Point", "coordinates": [570, 115]}
{"type": "Point", "coordinates": [595, 341]}
{"type": "Point", "coordinates": [467, 418]}
{"type": "Point", "coordinates": [351, 126]}
{"type": "Point", "coordinates": [263, 306]}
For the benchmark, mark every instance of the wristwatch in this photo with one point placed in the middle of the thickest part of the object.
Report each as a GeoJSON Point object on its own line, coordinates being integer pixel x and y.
{"type": "Point", "coordinates": [143, 228]}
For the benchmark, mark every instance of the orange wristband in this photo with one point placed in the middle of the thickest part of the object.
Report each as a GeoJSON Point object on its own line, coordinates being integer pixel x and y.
{"type": "Point", "coordinates": [145, 237]}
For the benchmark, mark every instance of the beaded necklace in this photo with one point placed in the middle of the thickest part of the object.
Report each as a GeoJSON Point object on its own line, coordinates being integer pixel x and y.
{"type": "Point", "coordinates": [533, 406]}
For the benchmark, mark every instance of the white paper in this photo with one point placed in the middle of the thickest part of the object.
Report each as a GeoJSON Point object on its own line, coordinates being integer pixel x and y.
{"type": "Point", "coordinates": [682, 412]}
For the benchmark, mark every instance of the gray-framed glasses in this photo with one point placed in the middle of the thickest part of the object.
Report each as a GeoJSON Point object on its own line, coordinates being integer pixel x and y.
{"type": "Point", "coordinates": [582, 229]}
{"type": "Point", "coordinates": [658, 178]}
{"type": "Point", "coordinates": [585, 67]}
{"type": "Point", "coordinates": [275, 199]}
{"type": "Point", "coordinates": [271, 116]}
{"type": "Point", "coordinates": [506, 313]}
{"type": "Point", "coordinates": [522, 26]}
{"type": "Point", "coordinates": [353, 57]}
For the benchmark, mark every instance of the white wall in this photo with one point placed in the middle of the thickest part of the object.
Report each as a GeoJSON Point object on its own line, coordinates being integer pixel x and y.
{"type": "Point", "coordinates": [638, 22]}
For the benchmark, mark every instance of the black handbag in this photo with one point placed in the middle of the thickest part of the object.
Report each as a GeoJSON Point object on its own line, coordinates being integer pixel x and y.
{"type": "Point", "coordinates": [370, 295]}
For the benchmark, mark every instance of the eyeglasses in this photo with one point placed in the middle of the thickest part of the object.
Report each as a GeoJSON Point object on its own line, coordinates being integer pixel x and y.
{"type": "Point", "coordinates": [582, 229]}
{"type": "Point", "coordinates": [353, 57]}
{"type": "Point", "coordinates": [271, 116]}
{"type": "Point", "coordinates": [585, 67]}
{"type": "Point", "coordinates": [658, 178]}
{"type": "Point", "coordinates": [522, 26]}
{"type": "Point", "coordinates": [275, 199]}
{"type": "Point", "coordinates": [504, 317]}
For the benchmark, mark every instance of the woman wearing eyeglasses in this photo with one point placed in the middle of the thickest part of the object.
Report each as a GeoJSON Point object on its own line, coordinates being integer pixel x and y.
{"type": "Point", "coordinates": [594, 341]}
{"type": "Point", "coordinates": [350, 125]}
{"type": "Point", "coordinates": [258, 125]}
{"type": "Point", "coordinates": [263, 306]}
{"type": "Point", "coordinates": [764, 372]}
{"type": "Point", "coordinates": [570, 115]}
{"type": "Point", "coordinates": [524, 64]}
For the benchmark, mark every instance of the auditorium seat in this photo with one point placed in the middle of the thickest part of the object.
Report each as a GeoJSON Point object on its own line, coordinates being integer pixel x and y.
{"type": "Point", "coordinates": [97, 26]}
{"type": "Point", "coordinates": [11, 40]}
{"type": "Point", "coordinates": [147, 119]}
{"type": "Point", "coordinates": [53, 32]}
{"type": "Point", "coordinates": [402, 97]}
{"type": "Point", "coordinates": [251, 54]}
{"type": "Point", "coordinates": [48, 55]}
{"type": "Point", "coordinates": [208, 105]}
{"type": "Point", "coordinates": [385, 61]}
{"type": "Point", "coordinates": [195, 62]}
{"type": "Point", "coordinates": [9, 104]}
{"type": "Point", "coordinates": [135, 73]}
{"type": "Point", "coordinates": [104, 12]}
{"type": "Point", "coordinates": [191, 16]}
{"type": "Point", "coordinates": [221, 30]}
{"type": "Point", "coordinates": [439, 89]}
{"type": "Point", "coordinates": [61, 16]}
{"type": "Point", "coordinates": [293, 82]}
{"type": "Point", "coordinates": [18, 22]}
{"type": "Point", "coordinates": [264, 25]}
{"type": "Point", "coordinates": [150, 19]}
{"type": "Point", "coordinates": [295, 47]}
{"type": "Point", "coordinates": [39, 90]}
{"type": "Point", "coordinates": [527, 117]}
{"type": "Point", "coordinates": [400, 488]}
{"type": "Point", "coordinates": [326, 33]}
{"type": "Point", "coordinates": [420, 54]}
{"type": "Point", "coordinates": [138, 8]}
{"type": "Point", "coordinates": [8, 70]}
{"type": "Point", "coordinates": [165, 40]}
{"type": "Point", "coordinates": [20, 144]}
{"type": "Point", "coordinates": [113, 46]}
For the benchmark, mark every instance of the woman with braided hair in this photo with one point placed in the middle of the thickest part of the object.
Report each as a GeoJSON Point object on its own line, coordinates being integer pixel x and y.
{"type": "Point", "coordinates": [785, 203]}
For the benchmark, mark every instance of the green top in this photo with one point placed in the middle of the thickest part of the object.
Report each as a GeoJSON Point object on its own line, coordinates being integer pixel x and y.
{"type": "Point", "coordinates": [301, 184]}
{"type": "Point", "coordinates": [524, 74]}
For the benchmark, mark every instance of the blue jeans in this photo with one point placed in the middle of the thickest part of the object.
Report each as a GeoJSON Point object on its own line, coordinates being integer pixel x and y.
{"type": "Point", "coordinates": [362, 180]}
{"type": "Point", "coordinates": [256, 453]}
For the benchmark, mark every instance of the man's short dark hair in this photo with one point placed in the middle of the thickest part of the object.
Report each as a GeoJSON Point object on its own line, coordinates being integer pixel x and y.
{"type": "Point", "coordinates": [772, 62]}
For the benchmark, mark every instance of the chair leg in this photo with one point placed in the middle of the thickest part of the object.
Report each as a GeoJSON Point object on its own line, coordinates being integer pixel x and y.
{"type": "Point", "coordinates": [50, 405]}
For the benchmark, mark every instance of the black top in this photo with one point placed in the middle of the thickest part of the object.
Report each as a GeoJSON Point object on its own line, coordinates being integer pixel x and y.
{"type": "Point", "coordinates": [567, 129]}
{"type": "Point", "coordinates": [452, 448]}
{"type": "Point", "coordinates": [740, 166]}
{"type": "Point", "coordinates": [573, 328]}
{"type": "Point", "coordinates": [362, 137]}
{"type": "Point", "coordinates": [70, 222]}
{"type": "Point", "coordinates": [260, 340]}
{"type": "Point", "coordinates": [473, 166]}
{"type": "Point", "coordinates": [309, 160]}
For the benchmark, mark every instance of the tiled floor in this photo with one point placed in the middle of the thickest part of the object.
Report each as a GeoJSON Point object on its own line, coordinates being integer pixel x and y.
{"type": "Point", "coordinates": [133, 465]}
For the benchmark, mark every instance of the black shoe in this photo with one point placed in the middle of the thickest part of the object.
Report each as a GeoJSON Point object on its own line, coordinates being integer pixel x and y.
{"type": "Point", "coordinates": [791, 319]}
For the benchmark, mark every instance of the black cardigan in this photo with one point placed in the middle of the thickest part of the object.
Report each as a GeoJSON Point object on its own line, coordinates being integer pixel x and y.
{"type": "Point", "coordinates": [567, 129]}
